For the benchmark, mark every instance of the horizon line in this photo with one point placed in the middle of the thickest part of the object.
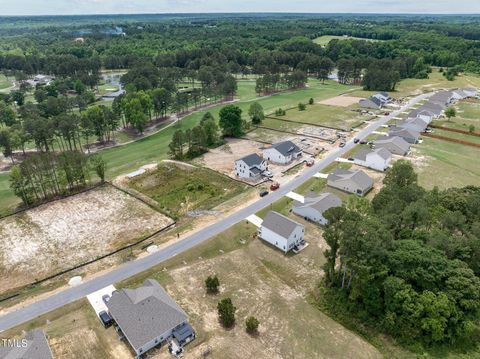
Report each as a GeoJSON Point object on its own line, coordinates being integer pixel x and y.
{"type": "Point", "coordinates": [247, 13]}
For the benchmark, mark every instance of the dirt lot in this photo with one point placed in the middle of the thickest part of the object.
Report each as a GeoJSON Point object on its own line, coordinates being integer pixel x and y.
{"type": "Point", "coordinates": [222, 159]}
{"type": "Point", "coordinates": [342, 101]}
{"type": "Point", "coordinates": [263, 282]}
{"type": "Point", "coordinates": [58, 235]}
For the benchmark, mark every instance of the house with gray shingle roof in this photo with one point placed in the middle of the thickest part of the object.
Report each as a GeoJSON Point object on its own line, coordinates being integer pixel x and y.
{"type": "Point", "coordinates": [315, 205]}
{"type": "Point", "coordinates": [442, 98]}
{"type": "Point", "coordinates": [377, 159]}
{"type": "Point", "coordinates": [33, 346]}
{"type": "Point", "coordinates": [408, 135]}
{"type": "Point", "coordinates": [250, 167]}
{"type": "Point", "coordinates": [148, 316]}
{"type": "Point", "coordinates": [376, 101]}
{"type": "Point", "coordinates": [282, 152]}
{"type": "Point", "coordinates": [281, 231]}
{"type": "Point", "coordinates": [414, 124]}
{"type": "Point", "coordinates": [395, 145]}
{"type": "Point", "coordinates": [357, 182]}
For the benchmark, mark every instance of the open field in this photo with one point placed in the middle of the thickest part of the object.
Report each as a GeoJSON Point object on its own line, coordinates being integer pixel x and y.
{"type": "Point", "coordinates": [325, 39]}
{"type": "Point", "coordinates": [445, 164]}
{"type": "Point", "coordinates": [343, 118]}
{"type": "Point", "coordinates": [179, 189]}
{"type": "Point", "coordinates": [59, 235]}
{"type": "Point", "coordinates": [436, 81]}
{"type": "Point", "coordinates": [342, 101]}
{"type": "Point", "coordinates": [468, 113]}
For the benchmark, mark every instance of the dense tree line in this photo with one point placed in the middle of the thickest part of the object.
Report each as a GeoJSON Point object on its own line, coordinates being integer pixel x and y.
{"type": "Point", "coordinates": [408, 262]}
{"type": "Point", "coordinates": [47, 175]}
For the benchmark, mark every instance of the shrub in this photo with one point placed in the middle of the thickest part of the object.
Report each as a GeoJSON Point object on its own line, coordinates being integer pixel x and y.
{"type": "Point", "coordinates": [212, 284]}
{"type": "Point", "coordinates": [310, 102]}
{"type": "Point", "coordinates": [251, 325]}
{"type": "Point", "coordinates": [302, 107]}
{"type": "Point", "coordinates": [226, 312]}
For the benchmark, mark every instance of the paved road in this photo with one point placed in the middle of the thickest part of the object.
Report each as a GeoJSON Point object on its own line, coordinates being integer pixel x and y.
{"type": "Point", "coordinates": [132, 268]}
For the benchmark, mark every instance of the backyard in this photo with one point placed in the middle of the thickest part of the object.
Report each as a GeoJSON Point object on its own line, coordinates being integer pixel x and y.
{"type": "Point", "coordinates": [446, 164]}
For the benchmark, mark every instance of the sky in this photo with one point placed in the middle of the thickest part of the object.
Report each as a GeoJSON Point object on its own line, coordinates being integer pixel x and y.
{"type": "Point", "coordinates": [77, 7]}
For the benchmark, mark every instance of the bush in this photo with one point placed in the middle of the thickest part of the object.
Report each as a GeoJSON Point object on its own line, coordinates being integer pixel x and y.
{"type": "Point", "coordinates": [251, 325]}
{"type": "Point", "coordinates": [310, 102]}
{"type": "Point", "coordinates": [280, 112]}
{"type": "Point", "coordinates": [212, 284]}
{"type": "Point", "coordinates": [226, 312]}
{"type": "Point", "coordinates": [302, 107]}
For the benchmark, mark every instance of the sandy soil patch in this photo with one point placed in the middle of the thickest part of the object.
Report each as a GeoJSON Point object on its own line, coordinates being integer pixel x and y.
{"type": "Point", "coordinates": [59, 235]}
{"type": "Point", "coordinates": [342, 101]}
{"type": "Point", "coordinates": [222, 159]}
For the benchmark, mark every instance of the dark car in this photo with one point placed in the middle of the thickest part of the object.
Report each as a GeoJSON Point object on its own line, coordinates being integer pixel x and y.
{"type": "Point", "coordinates": [263, 193]}
{"type": "Point", "coordinates": [356, 140]}
{"type": "Point", "coordinates": [363, 142]}
{"type": "Point", "coordinates": [342, 144]}
{"type": "Point", "coordinates": [105, 318]}
{"type": "Point", "coordinates": [351, 159]}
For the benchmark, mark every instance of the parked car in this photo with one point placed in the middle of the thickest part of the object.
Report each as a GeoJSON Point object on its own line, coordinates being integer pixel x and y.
{"type": "Point", "coordinates": [263, 193]}
{"type": "Point", "coordinates": [351, 159]}
{"type": "Point", "coordinates": [363, 142]}
{"type": "Point", "coordinates": [268, 174]}
{"type": "Point", "coordinates": [105, 318]}
{"type": "Point", "coordinates": [310, 162]}
{"type": "Point", "coordinates": [387, 113]}
{"type": "Point", "coordinates": [274, 186]}
{"type": "Point", "coordinates": [428, 130]}
{"type": "Point", "coordinates": [105, 298]}
{"type": "Point", "coordinates": [356, 140]}
{"type": "Point", "coordinates": [342, 144]}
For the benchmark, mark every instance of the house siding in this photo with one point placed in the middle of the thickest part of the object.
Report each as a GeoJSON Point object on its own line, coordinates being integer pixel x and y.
{"type": "Point", "coordinates": [282, 243]}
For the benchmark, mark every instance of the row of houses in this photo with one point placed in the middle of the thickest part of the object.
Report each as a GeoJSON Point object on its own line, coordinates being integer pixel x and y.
{"type": "Point", "coordinates": [377, 101]}
{"type": "Point", "coordinates": [253, 166]}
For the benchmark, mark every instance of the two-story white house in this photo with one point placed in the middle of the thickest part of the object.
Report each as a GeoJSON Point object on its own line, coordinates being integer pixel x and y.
{"type": "Point", "coordinates": [250, 167]}
{"type": "Point", "coordinates": [281, 231]}
{"type": "Point", "coordinates": [282, 152]}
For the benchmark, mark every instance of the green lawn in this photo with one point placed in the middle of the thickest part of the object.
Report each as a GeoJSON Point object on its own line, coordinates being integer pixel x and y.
{"type": "Point", "coordinates": [4, 83]}
{"type": "Point", "coordinates": [447, 164]}
{"type": "Point", "coordinates": [457, 136]}
{"type": "Point", "coordinates": [178, 190]}
{"type": "Point", "coordinates": [468, 113]}
{"type": "Point", "coordinates": [436, 81]}
{"type": "Point", "coordinates": [343, 118]}
{"type": "Point", "coordinates": [106, 88]}
{"type": "Point", "coordinates": [324, 40]}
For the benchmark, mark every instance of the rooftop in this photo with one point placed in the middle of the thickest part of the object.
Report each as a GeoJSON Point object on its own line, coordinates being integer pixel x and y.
{"type": "Point", "coordinates": [360, 178]}
{"type": "Point", "coordinates": [37, 348]}
{"type": "Point", "coordinates": [285, 147]}
{"type": "Point", "coordinates": [251, 160]}
{"type": "Point", "coordinates": [279, 224]}
{"type": "Point", "coordinates": [145, 313]}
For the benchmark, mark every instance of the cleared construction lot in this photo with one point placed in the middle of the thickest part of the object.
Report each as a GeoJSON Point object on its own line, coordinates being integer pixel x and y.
{"type": "Point", "coordinates": [62, 234]}
{"type": "Point", "coordinates": [260, 280]}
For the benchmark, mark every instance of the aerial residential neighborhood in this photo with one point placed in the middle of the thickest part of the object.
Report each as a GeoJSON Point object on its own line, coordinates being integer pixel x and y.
{"type": "Point", "coordinates": [241, 179]}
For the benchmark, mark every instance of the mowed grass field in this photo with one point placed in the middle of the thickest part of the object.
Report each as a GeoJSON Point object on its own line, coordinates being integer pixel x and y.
{"type": "Point", "coordinates": [324, 40]}
{"type": "Point", "coordinates": [342, 118]}
{"type": "Point", "coordinates": [436, 81]}
{"type": "Point", "coordinates": [179, 189]}
{"type": "Point", "coordinates": [446, 164]}
{"type": "Point", "coordinates": [4, 82]}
